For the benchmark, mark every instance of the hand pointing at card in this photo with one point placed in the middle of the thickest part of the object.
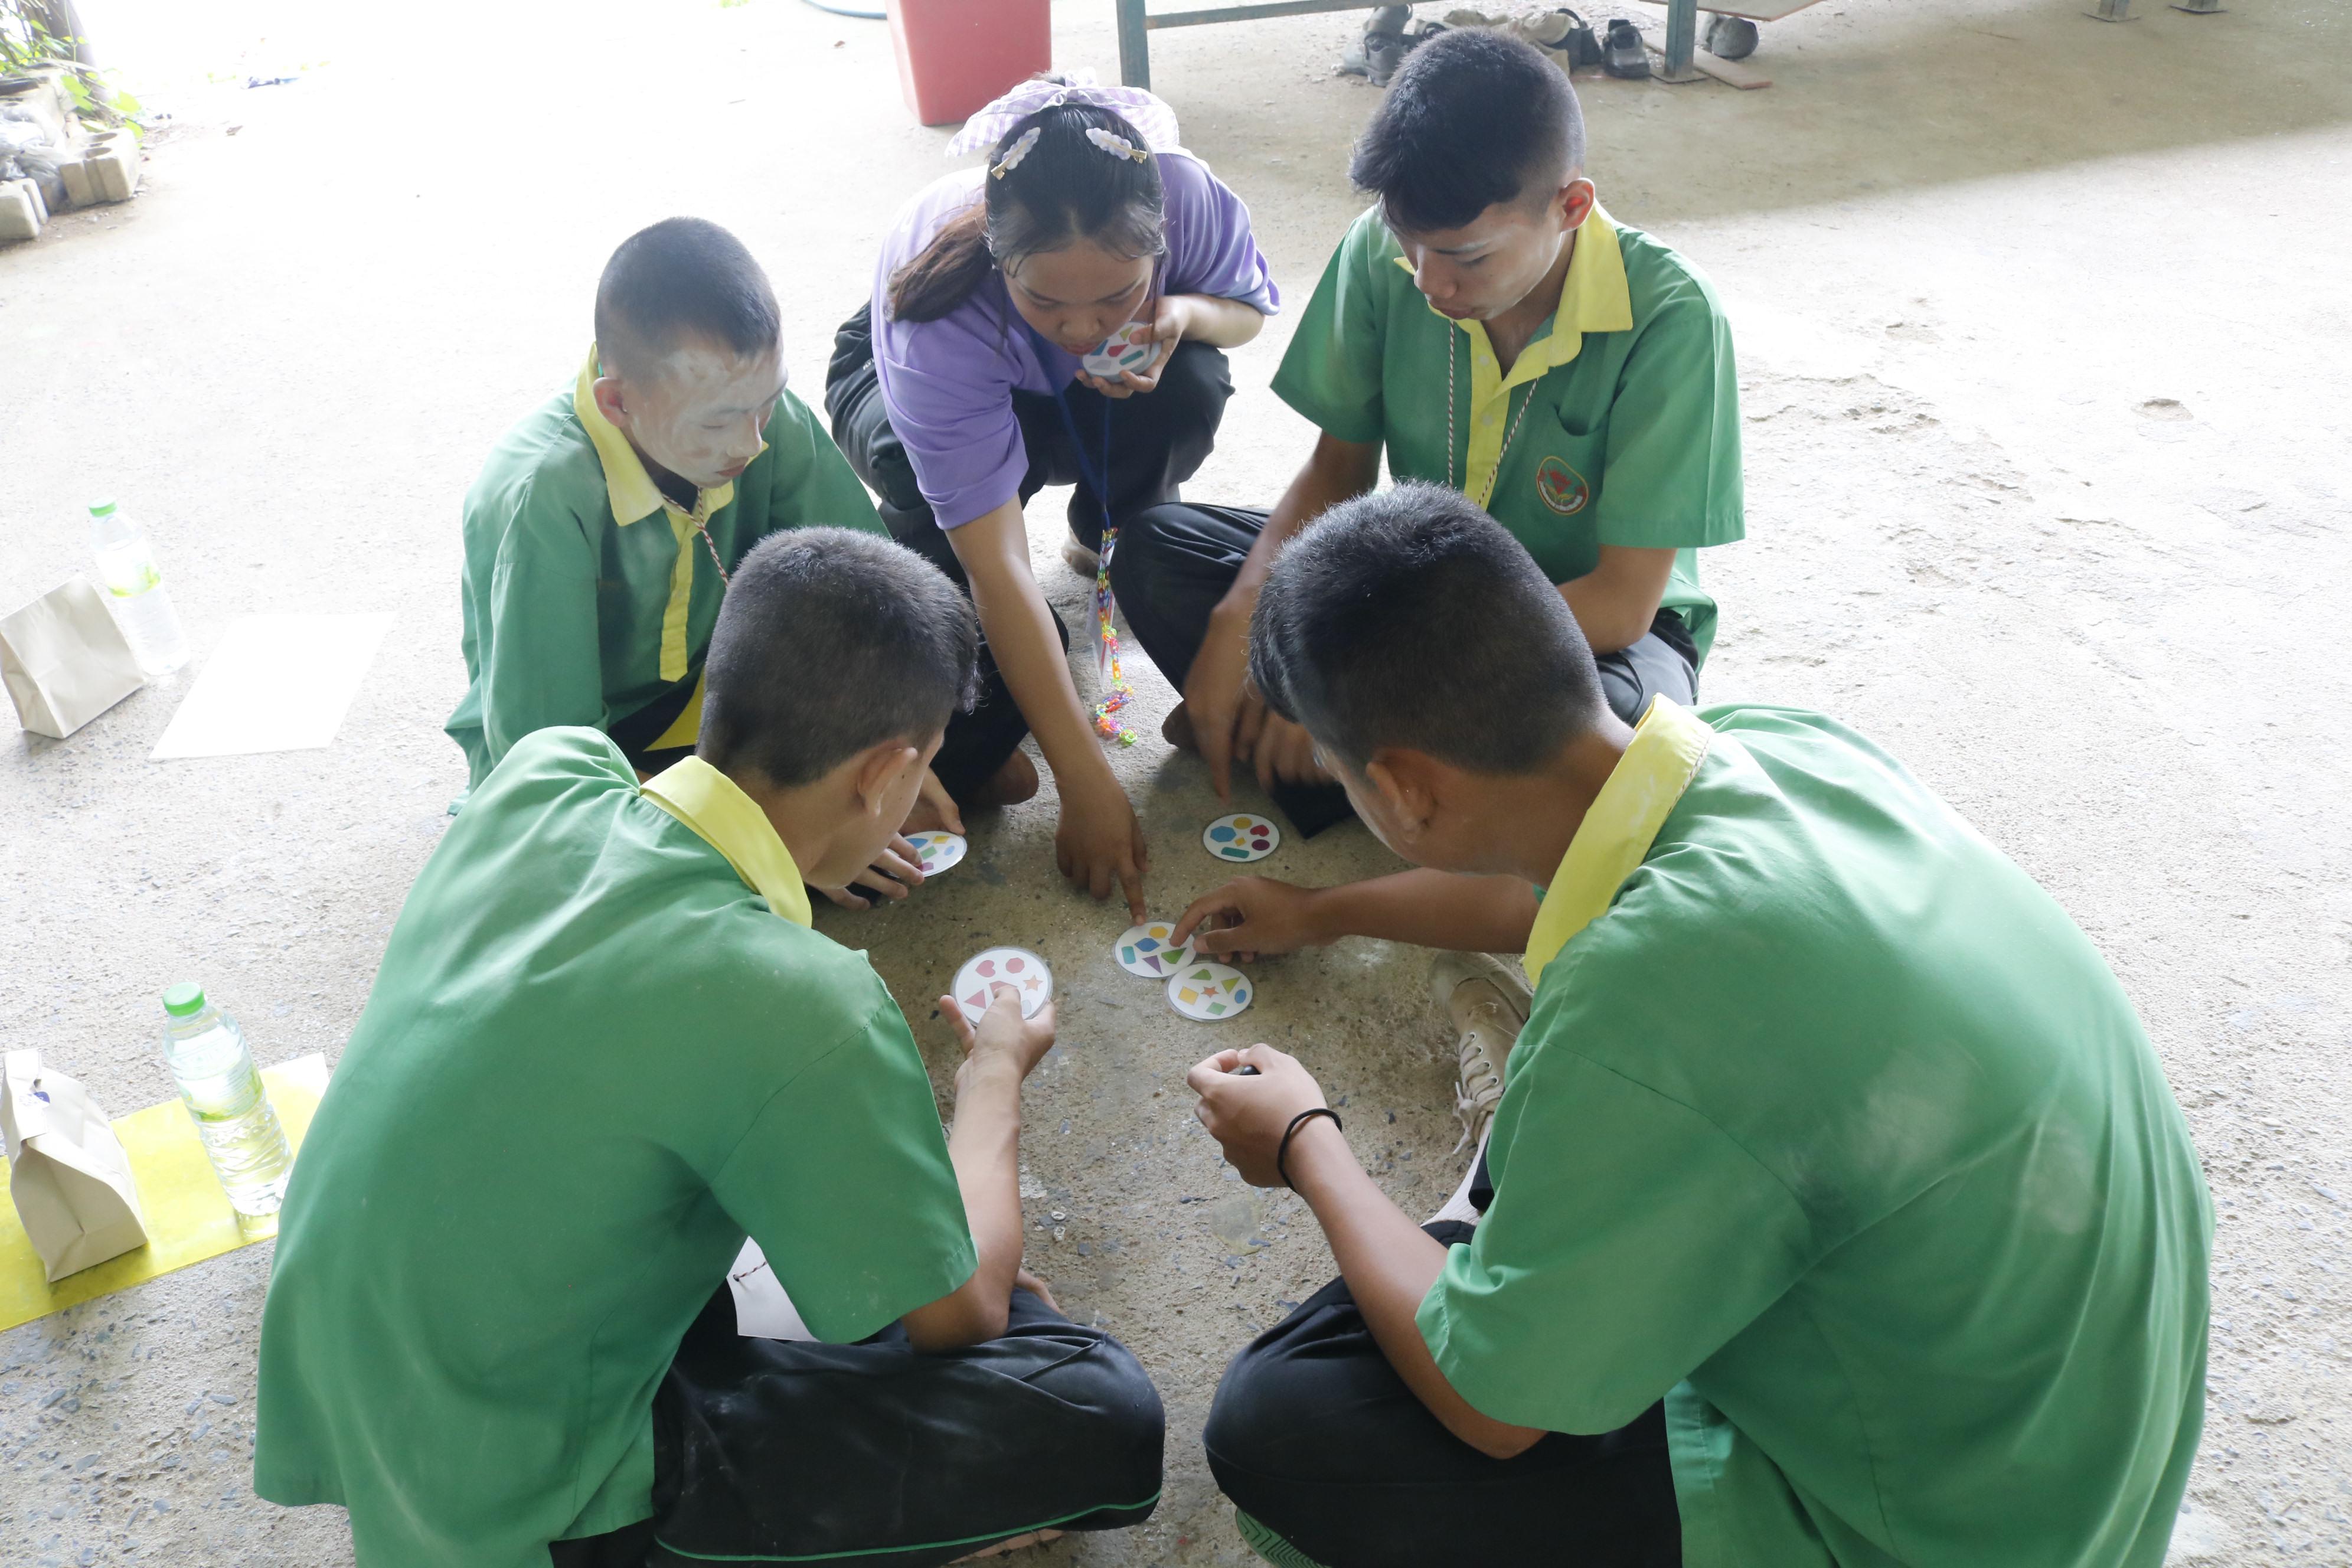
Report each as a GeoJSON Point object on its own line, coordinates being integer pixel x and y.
{"type": "Point", "coordinates": [1253, 915]}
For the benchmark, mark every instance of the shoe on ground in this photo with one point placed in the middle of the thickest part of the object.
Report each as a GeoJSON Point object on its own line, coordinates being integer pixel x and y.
{"type": "Point", "coordinates": [1383, 52]}
{"type": "Point", "coordinates": [1085, 562]}
{"type": "Point", "coordinates": [1623, 54]}
{"type": "Point", "coordinates": [1729, 38]}
{"type": "Point", "coordinates": [1486, 999]}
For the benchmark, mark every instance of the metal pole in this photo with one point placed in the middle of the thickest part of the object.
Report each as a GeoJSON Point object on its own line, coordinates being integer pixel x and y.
{"type": "Point", "coordinates": [1682, 39]}
{"type": "Point", "coordinates": [1134, 44]}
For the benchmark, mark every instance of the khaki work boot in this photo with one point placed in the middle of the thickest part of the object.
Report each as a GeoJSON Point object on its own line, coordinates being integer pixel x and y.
{"type": "Point", "coordinates": [1486, 999]}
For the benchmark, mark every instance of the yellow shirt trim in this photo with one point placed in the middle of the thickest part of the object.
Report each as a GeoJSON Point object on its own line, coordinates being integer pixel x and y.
{"type": "Point", "coordinates": [635, 497]}
{"type": "Point", "coordinates": [1593, 298]}
{"type": "Point", "coordinates": [686, 730]}
{"type": "Point", "coordinates": [1642, 790]}
{"type": "Point", "coordinates": [732, 822]}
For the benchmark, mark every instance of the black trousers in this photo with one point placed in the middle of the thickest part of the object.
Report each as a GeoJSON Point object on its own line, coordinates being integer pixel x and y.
{"type": "Point", "coordinates": [1175, 562]}
{"type": "Point", "coordinates": [1157, 441]}
{"type": "Point", "coordinates": [1323, 1448]}
{"type": "Point", "coordinates": [878, 1457]}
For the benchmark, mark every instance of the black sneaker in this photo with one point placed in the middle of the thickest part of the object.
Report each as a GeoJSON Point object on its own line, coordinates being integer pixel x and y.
{"type": "Point", "coordinates": [1624, 53]}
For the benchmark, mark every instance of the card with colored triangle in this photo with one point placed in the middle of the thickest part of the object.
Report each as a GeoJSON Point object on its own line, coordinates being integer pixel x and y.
{"type": "Point", "coordinates": [1151, 950]}
{"type": "Point", "coordinates": [1015, 966]}
{"type": "Point", "coordinates": [1207, 992]}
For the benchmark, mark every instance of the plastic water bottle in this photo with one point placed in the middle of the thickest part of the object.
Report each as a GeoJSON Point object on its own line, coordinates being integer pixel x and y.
{"type": "Point", "coordinates": [143, 608]}
{"type": "Point", "coordinates": [224, 1098]}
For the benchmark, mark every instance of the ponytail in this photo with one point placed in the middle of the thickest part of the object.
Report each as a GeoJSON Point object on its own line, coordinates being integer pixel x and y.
{"type": "Point", "coordinates": [1063, 188]}
{"type": "Point", "coordinates": [949, 268]}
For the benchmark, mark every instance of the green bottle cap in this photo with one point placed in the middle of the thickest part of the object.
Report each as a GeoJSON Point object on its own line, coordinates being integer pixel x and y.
{"type": "Point", "coordinates": [101, 509]}
{"type": "Point", "coordinates": [184, 1000]}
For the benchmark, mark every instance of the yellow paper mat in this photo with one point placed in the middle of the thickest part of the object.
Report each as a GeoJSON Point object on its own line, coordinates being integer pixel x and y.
{"type": "Point", "coordinates": [188, 1216]}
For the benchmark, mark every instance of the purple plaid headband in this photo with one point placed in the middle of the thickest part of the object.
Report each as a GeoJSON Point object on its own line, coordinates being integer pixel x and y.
{"type": "Point", "coordinates": [1147, 114]}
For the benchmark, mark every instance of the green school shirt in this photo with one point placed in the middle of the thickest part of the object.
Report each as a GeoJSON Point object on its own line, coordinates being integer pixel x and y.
{"type": "Point", "coordinates": [1617, 425]}
{"type": "Point", "coordinates": [1833, 1130]}
{"type": "Point", "coordinates": [588, 594]}
{"type": "Point", "coordinates": [595, 1057]}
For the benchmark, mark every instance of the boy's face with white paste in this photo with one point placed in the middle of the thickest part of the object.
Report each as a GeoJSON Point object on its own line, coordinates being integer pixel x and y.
{"type": "Point", "coordinates": [697, 408]}
{"type": "Point", "coordinates": [1490, 264]}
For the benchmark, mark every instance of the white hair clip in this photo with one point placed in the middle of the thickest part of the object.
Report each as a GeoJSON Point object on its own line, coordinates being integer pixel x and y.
{"type": "Point", "coordinates": [1117, 146]}
{"type": "Point", "coordinates": [1014, 153]}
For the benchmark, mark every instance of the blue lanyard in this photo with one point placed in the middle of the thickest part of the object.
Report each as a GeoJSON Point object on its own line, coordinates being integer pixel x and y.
{"type": "Point", "coordinates": [1105, 636]}
{"type": "Point", "coordinates": [1097, 480]}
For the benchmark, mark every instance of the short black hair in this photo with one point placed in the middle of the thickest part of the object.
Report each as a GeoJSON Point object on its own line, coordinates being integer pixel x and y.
{"type": "Point", "coordinates": [1409, 618]}
{"type": "Point", "coordinates": [830, 641]}
{"type": "Point", "coordinates": [1472, 118]}
{"type": "Point", "coordinates": [683, 277]}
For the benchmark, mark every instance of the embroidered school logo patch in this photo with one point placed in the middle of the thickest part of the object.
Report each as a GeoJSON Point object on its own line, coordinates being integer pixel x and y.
{"type": "Point", "coordinates": [1562, 487]}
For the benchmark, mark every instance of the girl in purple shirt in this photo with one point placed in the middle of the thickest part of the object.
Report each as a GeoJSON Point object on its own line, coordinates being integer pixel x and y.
{"type": "Point", "coordinates": [957, 393]}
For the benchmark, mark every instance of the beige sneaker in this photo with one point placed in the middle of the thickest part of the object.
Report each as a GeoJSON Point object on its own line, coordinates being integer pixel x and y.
{"type": "Point", "coordinates": [1486, 999]}
{"type": "Point", "coordinates": [1018, 1543]}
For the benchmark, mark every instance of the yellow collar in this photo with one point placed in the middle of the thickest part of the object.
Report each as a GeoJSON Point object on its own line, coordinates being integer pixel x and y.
{"type": "Point", "coordinates": [631, 489]}
{"type": "Point", "coordinates": [1617, 832]}
{"type": "Point", "coordinates": [730, 822]}
{"type": "Point", "coordinates": [1593, 298]}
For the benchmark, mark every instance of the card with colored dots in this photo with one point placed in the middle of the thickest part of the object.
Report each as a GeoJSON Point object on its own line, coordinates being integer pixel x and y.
{"type": "Point", "coordinates": [1241, 836]}
{"type": "Point", "coordinates": [1207, 992]}
{"type": "Point", "coordinates": [937, 851]}
{"type": "Point", "coordinates": [1015, 966]}
{"type": "Point", "coordinates": [1149, 950]}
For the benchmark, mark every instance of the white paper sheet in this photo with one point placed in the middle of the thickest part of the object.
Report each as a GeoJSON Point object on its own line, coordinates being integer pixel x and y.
{"type": "Point", "coordinates": [763, 1310]}
{"type": "Point", "coordinates": [276, 683]}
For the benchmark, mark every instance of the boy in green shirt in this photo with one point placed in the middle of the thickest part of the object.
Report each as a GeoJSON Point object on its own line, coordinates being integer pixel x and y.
{"type": "Point", "coordinates": [1837, 1209]}
{"type": "Point", "coordinates": [605, 1046]}
{"type": "Point", "coordinates": [1489, 327]}
{"type": "Point", "coordinates": [602, 533]}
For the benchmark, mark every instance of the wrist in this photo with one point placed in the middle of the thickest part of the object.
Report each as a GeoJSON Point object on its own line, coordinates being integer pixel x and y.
{"type": "Point", "coordinates": [1322, 916]}
{"type": "Point", "coordinates": [1320, 1162]}
{"type": "Point", "coordinates": [991, 1073]}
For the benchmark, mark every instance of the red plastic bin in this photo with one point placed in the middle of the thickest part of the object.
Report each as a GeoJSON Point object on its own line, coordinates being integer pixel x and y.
{"type": "Point", "coordinates": [955, 56]}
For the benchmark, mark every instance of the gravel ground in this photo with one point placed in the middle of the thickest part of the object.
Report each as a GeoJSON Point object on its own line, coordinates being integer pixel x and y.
{"type": "Point", "coordinates": [2043, 340]}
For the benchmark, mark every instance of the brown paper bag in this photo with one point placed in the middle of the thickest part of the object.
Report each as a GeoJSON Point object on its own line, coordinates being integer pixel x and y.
{"type": "Point", "coordinates": [64, 660]}
{"type": "Point", "coordinates": [66, 1169]}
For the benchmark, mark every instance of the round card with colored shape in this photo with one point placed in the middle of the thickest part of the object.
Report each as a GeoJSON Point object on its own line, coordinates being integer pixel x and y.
{"type": "Point", "coordinates": [1132, 347]}
{"type": "Point", "coordinates": [1241, 836]}
{"type": "Point", "coordinates": [1015, 966]}
{"type": "Point", "coordinates": [1207, 992]}
{"type": "Point", "coordinates": [935, 852]}
{"type": "Point", "coordinates": [1149, 950]}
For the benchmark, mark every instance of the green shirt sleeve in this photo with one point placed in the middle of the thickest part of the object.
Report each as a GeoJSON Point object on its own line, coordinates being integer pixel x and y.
{"type": "Point", "coordinates": [1331, 372]}
{"type": "Point", "coordinates": [843, 1181]}
{"type": "Point", "coordinates": [1630, 1237]}
{"type": "Point", "coordinates": [1671, 476]}
{"type": "Point", "coordinates": [540, 662]}
{"type": "Point", "coordinates": [806, 482]}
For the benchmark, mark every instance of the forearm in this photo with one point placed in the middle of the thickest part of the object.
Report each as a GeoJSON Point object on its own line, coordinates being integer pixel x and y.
{"type": "Point", "coordinates": [1022, 637]}
{"type": "Point", "coordinates": [1220, 322]}
{"type": "Point", "coordinates": [1428, 908]}
{"type": "Point", "coordinates": [985, 1150]}
{"type": "Point", "coordinates": [1339, 470]}
{"type": "Point", "coordinates": [1615, 602]}
{"type": "Point", "coordinates": [1390, 1263]}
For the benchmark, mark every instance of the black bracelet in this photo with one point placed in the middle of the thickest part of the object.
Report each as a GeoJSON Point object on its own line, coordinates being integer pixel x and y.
{"type": "Point", "coordinates": [1301, 1120]}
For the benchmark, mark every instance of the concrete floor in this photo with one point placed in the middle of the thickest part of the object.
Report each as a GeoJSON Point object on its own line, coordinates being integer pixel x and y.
{"type": "Point", "coordinates": [2043, 343]}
